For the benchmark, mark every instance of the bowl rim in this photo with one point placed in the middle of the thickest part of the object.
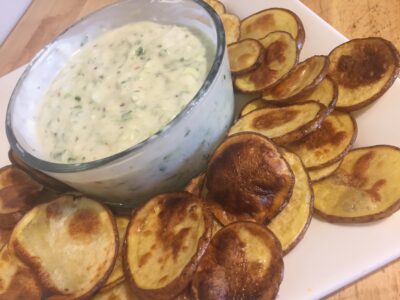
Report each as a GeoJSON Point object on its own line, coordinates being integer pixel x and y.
{"type": "Point", "coordinates": [55, 167]}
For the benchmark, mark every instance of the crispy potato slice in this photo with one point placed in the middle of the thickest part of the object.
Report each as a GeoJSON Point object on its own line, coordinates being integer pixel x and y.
{"type": "Point", "coordinates": [243, 261]}
{"type": "Point", "coordinates": [165, 240]}
{"type": "Point", "coordinates": [301, 80]}
{"type": "Point", "coordinates": [365, 188]}
{"type": "Point", "coordinates": [121, 291]}
{"type": "Point", "coordinates": [329, 143]}
{"type": "Point", "coordinates": [12, 176]}
{"type": "Point", "coordinates": [318, 174]}
{"type": "Point", "coordinates": [283, 124]}
{"type": "Point", "coordinates": [325, 93]}
{"type": "Point", "coordinates": [216, 226]}
{"type": "Point", "coordinates": [117, 274]}
{"type": "Point", "coordinates": [15, 201]}
{"type": "Point", "coordinates": [4, 236]}
{"type": "Point", "coordinates": [245, 55]}
{"type": "Point", "coordinates": [17, 195]}
{"type": "Point", "coordinates": [71, 243]}
{"type": "Point", "coordinates": [195, 185]}
{"type": "Point", "coordinates": [280, 56]}
{"type": "Point", "coordinates": [17, 280]}
{"type": "Point", "coordinates": [266, 21]}
{"type": "Point", "coordinates": [248, 177]}
{"type": "Point", "coordinates": [253, 105]}
{"type": "Point", "coordinates": [364, 70]}
{"type": "Point", "coordinates": [225, 217]}
{"type": "Point", "coordinates": [47, 181]}
{"type": "Point", "coordinates": [231, 26]}
{"type": "Point", "coordinates": [185, 295]}
{"type": "Point", "coordinates": [218, 6]}
{"type": "Point", "coordinates": [292, 222]}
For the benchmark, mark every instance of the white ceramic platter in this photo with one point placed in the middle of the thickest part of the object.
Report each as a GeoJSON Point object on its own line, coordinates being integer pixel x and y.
{"type": "Point", "coordinates": [330, 256]}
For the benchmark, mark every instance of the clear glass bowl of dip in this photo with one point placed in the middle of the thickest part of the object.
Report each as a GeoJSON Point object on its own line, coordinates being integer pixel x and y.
{"type": "Point", "coordinates": [163, 162]}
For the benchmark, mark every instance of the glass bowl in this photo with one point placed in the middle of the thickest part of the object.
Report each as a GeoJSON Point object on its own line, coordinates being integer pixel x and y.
{"type": "Point", "coordinates": [161, 163]}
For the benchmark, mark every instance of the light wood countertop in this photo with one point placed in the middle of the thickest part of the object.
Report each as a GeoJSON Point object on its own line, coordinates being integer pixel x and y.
{"type": "Point", "coordinates": [359, 18]}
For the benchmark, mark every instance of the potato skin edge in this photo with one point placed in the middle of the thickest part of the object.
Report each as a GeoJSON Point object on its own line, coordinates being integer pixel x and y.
{"type": "Point", "coordinates": [310, 215]}
{"type": "Point", "coordinates": [309, 88]}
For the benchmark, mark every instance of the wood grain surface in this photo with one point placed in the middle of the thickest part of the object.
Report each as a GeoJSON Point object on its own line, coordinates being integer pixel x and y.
{"type": "Point", "coordinates": [358, 18]}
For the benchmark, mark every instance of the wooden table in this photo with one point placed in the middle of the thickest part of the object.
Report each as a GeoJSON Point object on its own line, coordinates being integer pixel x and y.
{"type": "Point", "coordinates": [358, 18]}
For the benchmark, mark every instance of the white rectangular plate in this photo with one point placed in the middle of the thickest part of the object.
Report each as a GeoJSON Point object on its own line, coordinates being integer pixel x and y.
{"type": "Point", "coordinates": [330, 256]}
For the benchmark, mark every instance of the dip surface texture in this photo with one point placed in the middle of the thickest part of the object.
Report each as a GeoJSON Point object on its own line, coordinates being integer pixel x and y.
{"type": "Point", "coordinates": [120, 89]}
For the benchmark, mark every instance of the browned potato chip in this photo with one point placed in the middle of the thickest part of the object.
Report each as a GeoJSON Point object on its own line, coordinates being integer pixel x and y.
{"type": "Point", "coordinates": [290, 225]}
{"type": "Point", "coordinates": [301, 80]}
{"type": "Point", "coordinates": [4, 236]}
{"type": "Point", "coordinates": [243, 261]}
{"type": "Point", "coordinates": [248, 177]}
{"type": "Point", "coordinates": [117, 274]}
{"type": "Point", "coordinates": [165, 240]}
{"type": "Point", "coordinates": [365, 188]}
{"type": "Point", "coordinates": [253, 105]}
{"type": "Point", "coordinates": [121, 291]}
{"type": "Point", "coordinates": [231, 26]}
{"type": "Point", "coordinates": [280, 57]}
{"type": "Point", "coordinates": [44, 179]}
{"type": "Point", "coordinates": [318, 174]}
{"type": "Point", "coordinates": [71, 243]}
{"type": "Point", "coordinates": [325, 93]}
{"type": "Point", "coordinates": [225, 217]}
{"type": "Point", "coordinates": [245, 56]}
{"type": "Point", "coordinates": [283, 124]}
{"type": "Point", "coordinates": [17, 280]}
{"type": "Point", "coordinates": [185, 295]}
{"type": "Point", "coordinates": [12, 175]}
{"type": "Point", "coordinates": [15, 201]}
{"type": "Point", "coordinates": [216, 226]}
{"type": "Point", "coordinates": [217, 6]}
{"type": "Point", "coordinates": [195, 185]}
{"type": "Point", "coordinates": [329, 143]}
{"type": "Point", "coordinates": [17, 195]}
{"type": "Point", "coordinates": [364, 70]}
{"type": "Point", "coordinates": [266, 21]}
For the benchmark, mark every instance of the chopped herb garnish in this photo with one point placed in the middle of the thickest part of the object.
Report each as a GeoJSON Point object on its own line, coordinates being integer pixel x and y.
{"type": "Point", "coordinates": [126, 115]}
{"type": "Point", "coordinates": [139, 51]}
{"type": "Point", "coordinates": [71, 159]}
{"type": "Point", "coordinates": [162, 53]}
{"type": "Point", "coordinates": [77, 98]}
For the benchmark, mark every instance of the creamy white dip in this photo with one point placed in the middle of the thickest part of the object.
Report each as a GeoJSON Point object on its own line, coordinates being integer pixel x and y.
{"type": "Point", "coordinates": [119, 89]}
